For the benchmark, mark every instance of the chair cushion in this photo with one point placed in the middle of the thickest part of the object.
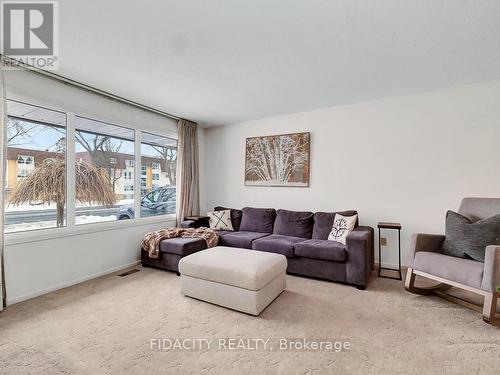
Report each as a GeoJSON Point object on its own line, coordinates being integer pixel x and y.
{"type": "Point", "coordinates": [235, 216]}
{"type": "Point", "coordinates": [240, 239]}
{"type": "Point", "coordinates": [182, 246]}
{"type": "Point", "coordinates": [277, 243]}
{"type": "Point", "coordinates": [464, 271]}
{"type": "Point", "coordinates": [258, 220]}
{"type": "Point", "coordinates": [323, 223]}
{"type": "Point", "coordinates": [321, 249]}
{"type": "Point", "coordinates": [294, 223]}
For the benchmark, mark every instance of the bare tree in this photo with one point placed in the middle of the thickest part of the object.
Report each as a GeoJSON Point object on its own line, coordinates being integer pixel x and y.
{"type": "Point", "coordinates": [169, 155]}
{"type": "Point", "coordinates": [17, 130]}
{"type": "Point", "coordinates": [60, 145]}
{"type": "Point", "coordinates": [111, 150]}
{"type": "Point", "coordinates": [94, 146]}
{"type": "Point", "coordinates": [102, 149]}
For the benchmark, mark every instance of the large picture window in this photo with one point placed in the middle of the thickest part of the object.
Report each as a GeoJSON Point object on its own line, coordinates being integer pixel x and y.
{"type": "Point", "coordinates": [35, 168]}
{"type": "Point", "coordinates": [104, 191]}
{"type": "Point", "coordinates": [158, 175]}
{"type": "Point", "coordinates": [105, 181]}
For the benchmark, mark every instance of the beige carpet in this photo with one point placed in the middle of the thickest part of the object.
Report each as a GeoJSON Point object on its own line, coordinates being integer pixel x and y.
{"type": "Point", "coordinates": [104, 326]}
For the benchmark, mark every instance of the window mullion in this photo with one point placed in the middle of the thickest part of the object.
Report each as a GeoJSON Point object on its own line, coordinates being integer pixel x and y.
{"type": "Point", "coordinates": [70, 170]}
{"type": "Point", "coordinates": [137, 174]}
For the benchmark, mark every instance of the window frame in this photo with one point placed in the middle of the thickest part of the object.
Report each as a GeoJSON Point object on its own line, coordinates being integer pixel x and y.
{"type": "Point", "coordinates": [71, 229]}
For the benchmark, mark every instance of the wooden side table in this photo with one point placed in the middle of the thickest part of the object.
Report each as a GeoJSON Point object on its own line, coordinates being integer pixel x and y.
{"type": "Point", "coordinates": [397, 226]}
{"type": "Point", "coordinates": [201, 220]}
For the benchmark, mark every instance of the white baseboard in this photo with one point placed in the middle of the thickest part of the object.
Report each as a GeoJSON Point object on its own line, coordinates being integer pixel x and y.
{"type": "Point", "coordinates": [11, 301]}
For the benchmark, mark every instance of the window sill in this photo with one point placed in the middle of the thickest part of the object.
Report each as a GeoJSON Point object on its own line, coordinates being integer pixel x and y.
{"type": "Point", "coordinates": [53, 233]}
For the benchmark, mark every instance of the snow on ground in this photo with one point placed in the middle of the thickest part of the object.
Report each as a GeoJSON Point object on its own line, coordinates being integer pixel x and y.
{"type": "Point", "coordinates": [33, 207]}
{"type": "Point", "coordinates": [86, 219]}
{"type": "Point", "coordinates": [83, 219]}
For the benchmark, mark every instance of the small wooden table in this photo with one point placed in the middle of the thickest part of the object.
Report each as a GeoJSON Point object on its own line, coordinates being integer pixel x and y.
{"type": "Point", "coordinates": [384, 225]}
{"type": "Point", "coordinates": [201, 220]}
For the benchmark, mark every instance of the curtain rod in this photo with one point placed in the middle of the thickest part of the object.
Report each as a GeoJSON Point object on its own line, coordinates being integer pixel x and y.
{"type": "Point", "coordinates": [92, 89]}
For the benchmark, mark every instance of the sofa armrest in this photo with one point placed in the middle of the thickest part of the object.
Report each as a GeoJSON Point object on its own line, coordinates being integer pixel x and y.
{"type": "Point", "coordinates": [426, 242]}
{"type": "Point", "coordinates": [360, 256]}
{"type": "Point", "coordinates": [491, 273]}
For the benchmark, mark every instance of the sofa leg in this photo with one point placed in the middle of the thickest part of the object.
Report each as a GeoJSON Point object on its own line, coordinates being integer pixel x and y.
{"type": "Point", "coordinates": [178, 273]}
{"type": "Point", "coordinates": [361, 287]}
{"type": "Point", "coordinates": [490, 307]}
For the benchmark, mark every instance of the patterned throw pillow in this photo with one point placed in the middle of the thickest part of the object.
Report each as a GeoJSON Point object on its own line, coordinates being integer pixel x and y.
{"type": "Point", "coordinates": [342, 226]}
{"type": "Point", "coordinates": [220, 220]}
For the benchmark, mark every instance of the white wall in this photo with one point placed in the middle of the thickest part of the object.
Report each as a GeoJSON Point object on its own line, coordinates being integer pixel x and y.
{"type": "Point", "coordinates": [41, 266]}
{"type": "Point", "coordinates": [405, 159]}
{"type": "Point", "coordinates": [45, 262]}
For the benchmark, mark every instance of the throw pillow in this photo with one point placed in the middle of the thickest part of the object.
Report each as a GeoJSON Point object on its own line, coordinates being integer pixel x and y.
{"type": "Point", "coordinates": [235, 216]}
{"type": "Point", "coordinates": [220, 220]}
{"type": "Point", "coordinates": [342, 226]}
{"type": "Point", "coordinates": [467, 239]}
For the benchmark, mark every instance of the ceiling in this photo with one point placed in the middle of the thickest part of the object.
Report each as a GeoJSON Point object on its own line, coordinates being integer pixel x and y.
{"type": "Point", "coordinates": [227, 61]}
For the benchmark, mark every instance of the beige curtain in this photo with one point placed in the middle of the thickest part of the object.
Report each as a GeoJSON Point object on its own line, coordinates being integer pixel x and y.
{"type": "Point", "coordinates": [3, 107]}
{"type": "Point", "coordinates": [188, 199]}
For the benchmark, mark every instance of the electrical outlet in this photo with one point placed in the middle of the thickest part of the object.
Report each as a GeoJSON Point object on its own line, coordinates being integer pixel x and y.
{"type": "Point", "coordinates": [383, 241]}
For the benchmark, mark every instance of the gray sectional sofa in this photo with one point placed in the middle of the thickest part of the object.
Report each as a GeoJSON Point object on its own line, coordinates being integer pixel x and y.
{"type": "Point", "coordinates": [300, 236]}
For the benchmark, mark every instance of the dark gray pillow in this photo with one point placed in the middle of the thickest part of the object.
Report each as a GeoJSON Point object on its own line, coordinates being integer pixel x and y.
{"type": "Point", "coordinates": [466, 239]}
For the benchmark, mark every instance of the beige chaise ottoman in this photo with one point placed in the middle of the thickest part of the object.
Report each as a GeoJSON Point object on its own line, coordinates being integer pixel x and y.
{"type": "Point", "coordinates": [240, 279]}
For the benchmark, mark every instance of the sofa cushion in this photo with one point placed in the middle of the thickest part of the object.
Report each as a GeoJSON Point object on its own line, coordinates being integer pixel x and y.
{"type": "Point", "coordinates": [464, 271]}
{"type": "Point", "coordinates": [294, 223]}
{"type": "Point", "coordinates": [277, 243]}
{"type": "Point", "coordinates": [235, 216]}
{"type": "Point", "coordinates": [258, 219]}
{"type": "Point", "coordinates": [240, 239]}
{"type": "Point", "coordinates": [466, 239]}
{"type": "Point", "coordinates": [182, 246]}
{"type": "Point", "coordinates": [321, 249]}
{"type": "Point", "coordinates": [323, 223]}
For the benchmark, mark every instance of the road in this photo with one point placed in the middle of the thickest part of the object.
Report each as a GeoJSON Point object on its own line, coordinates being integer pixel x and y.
{"type": "Point", "coordinates": [33, 216]}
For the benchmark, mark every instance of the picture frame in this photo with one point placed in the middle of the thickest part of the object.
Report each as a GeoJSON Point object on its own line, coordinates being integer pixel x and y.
{"type": "Point", "coordinates": [278, 160]}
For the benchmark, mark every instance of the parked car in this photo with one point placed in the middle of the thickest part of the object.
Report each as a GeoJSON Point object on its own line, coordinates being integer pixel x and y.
{"type": "Point", "coordinates": [157, 202]}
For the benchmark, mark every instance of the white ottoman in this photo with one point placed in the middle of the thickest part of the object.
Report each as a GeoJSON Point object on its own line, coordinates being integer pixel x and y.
{"type": "Point", "coordinates": [240, 279]}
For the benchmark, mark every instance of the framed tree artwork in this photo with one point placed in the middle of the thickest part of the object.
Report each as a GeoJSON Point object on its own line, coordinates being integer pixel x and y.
{"type": "Point", "coordinates": [278, 160]}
